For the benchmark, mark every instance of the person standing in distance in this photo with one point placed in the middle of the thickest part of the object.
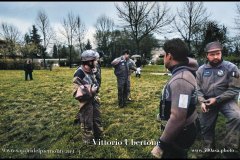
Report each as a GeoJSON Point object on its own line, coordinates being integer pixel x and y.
{"type": "Point", "coordinates": [218, 87]}
{"type": "Point", "coordinates": [28, 68]}
{"type": "Point", "coordinates": [178, 103]}
{"type": "Point", "coordinates": [121, 71]}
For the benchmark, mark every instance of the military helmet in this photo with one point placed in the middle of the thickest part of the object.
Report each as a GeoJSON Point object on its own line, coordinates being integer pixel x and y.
{"type": "Point", "coordinates": [88, 55]}
{"type": "Point", "coordinates": [97, 55]}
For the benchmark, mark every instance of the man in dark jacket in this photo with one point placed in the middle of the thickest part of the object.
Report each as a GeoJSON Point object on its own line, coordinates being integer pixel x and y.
{"type": "Point", "coordinates": [28, 68]}
{"type": "Point", "coordinates": [178, 103]}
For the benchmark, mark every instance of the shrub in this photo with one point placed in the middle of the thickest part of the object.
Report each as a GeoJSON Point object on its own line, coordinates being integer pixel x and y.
{"type": "Point", "coordinates": [18, 64]}
{"type": "Point", "coordinates": [159, 61]}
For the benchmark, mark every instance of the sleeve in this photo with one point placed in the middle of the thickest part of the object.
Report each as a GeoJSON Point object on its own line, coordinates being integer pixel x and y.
{"type": "Point", "coordinates": [115, 61]}
{"type": "Point", "coordinates": [132, 65]}
{"type": "Point", "coordinates": [180, 92]}
{"type": "Point", "coordinates": [81, 89]}
{"type": "Point", "coordinates": [199, 83]}
{"type": "Point", "coordinates": [79, 73]}
{"type": "Point", "coordinates": [233, 86]}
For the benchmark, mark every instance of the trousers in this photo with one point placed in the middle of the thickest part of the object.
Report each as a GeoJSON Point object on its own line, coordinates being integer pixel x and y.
{"type": "Point", "coordinates": [182, 143]}
{"type": "Point", "coordinates": [208, 120]}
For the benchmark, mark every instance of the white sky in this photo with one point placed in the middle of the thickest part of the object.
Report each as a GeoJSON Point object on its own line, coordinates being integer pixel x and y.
{"type": "Point", "coordinates": [23, 14]}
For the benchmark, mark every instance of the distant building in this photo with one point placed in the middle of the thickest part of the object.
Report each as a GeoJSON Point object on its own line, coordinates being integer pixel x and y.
{"type": "Point", "coordinates": [54, 61]}
{"type": "Point", "coordinates": [156, 54]}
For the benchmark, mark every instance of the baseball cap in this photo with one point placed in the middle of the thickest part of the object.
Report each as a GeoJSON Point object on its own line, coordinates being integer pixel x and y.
{"type": "Point", "coordinates": [213, 46]}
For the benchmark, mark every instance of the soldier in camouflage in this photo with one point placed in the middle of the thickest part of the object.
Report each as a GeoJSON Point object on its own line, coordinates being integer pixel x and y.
{"type": "Point", "coordinates": [85, 91]}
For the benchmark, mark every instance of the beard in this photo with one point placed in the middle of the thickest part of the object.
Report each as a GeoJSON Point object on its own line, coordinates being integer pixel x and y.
{"type": "Point", "coordinates": [215, 63]}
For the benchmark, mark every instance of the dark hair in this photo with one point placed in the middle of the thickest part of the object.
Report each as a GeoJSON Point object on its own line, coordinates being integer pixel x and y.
{"type": "Point", "coordinates": [177, 48]}
{"type": "Point", "coordinates": [126, 51]}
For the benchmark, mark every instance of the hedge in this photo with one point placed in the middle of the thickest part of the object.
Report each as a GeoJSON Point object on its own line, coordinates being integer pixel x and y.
{"type": "Point", "coordinates": [17, 64]}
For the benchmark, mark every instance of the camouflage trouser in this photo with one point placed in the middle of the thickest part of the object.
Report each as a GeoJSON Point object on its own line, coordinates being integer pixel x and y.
{"type": "Point", "coordinates": [122, 91]}
{"type": "Point", "coordinates": [91, 127]}
{"type": "Point", "coordinates": [208, 122]}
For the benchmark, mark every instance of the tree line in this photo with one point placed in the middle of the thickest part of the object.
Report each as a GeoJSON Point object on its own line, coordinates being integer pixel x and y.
{"type": "Point", "coordinates": [140, 22]}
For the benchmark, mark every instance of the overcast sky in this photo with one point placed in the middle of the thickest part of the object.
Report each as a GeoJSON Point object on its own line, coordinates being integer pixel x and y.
{"type": "Point", "coordinates": [23, 14]}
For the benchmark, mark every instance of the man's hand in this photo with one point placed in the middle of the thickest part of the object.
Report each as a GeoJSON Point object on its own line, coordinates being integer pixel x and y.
{"type": "Point", "coordinates": [204, 108]}
{"type": "Point", "coordinates": [210, 101]}
{"type": "Point", "coordinates": [94, 88]}
{"type": "Point", "coordinates": [157, 152]}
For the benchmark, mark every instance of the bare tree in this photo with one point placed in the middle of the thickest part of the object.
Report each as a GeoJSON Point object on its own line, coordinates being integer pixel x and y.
{"type": "Point", "coordinates": [104, 28]}
{"type": "Point", "coordinates": [190, 18]}
{"type": "Point", "coordinates": [46, 31]}
{"type": "Point", "coordinates": [69, 25]}
{"type": "Point", "coordinates": [80, 32]}
{"type": "Point", "coordinates": [11, 35]}
{"type": "Point", "coordinates": [27, 48]}
{"type": "Point", "coordinates": [57, 42]}
{"type": "Point", "coordinates": [143, 18]}
{"type": "Point", "coordinates": [237, 19]}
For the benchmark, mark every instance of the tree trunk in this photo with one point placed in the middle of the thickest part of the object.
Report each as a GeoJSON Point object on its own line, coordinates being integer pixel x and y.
{"type": "Point", "coordinates": [70, 57]}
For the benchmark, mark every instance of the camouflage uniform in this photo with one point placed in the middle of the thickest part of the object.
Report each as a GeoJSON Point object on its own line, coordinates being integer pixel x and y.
{"type": "Point", "coordinates": [89, 113]}
{"type": "Point", "coordinates": [222, 82]}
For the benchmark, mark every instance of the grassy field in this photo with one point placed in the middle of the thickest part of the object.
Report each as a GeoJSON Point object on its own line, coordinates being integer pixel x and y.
{"type": "Point", "coordinates": [37, 116]}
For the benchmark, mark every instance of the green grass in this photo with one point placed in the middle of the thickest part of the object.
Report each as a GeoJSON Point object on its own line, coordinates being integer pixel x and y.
{"type": "Point", "coordinates": [37, 116]}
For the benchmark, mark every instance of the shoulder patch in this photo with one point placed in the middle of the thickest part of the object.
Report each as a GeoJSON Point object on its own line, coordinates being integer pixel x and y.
{"type": "Point", "coordinates": [207, 73]}
{"type": "Point", "coordinates": [183, 101]}
{"type": "Point", "coordinates": [235, 74]}
{"type": "Point", "coordinates": [220, 73]}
